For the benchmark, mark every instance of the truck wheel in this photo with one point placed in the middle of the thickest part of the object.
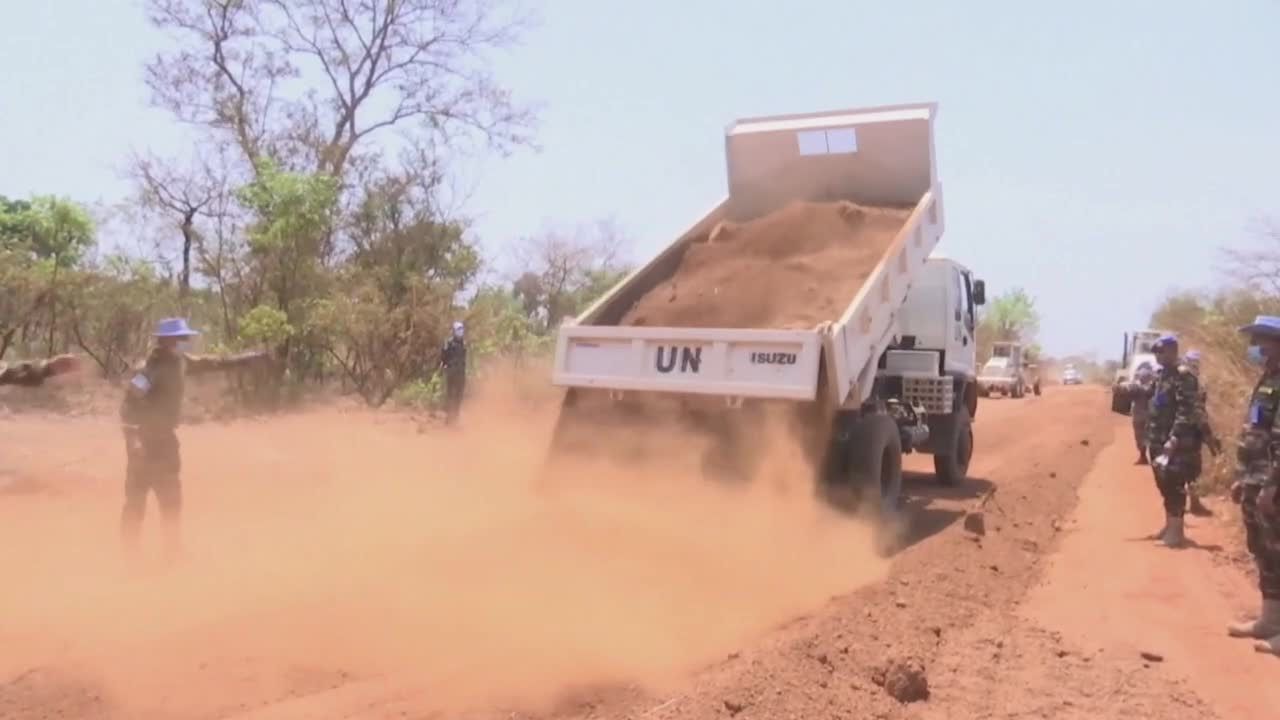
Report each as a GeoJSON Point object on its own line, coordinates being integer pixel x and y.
{"type": "Point", "coordinates": [952, 466]}
{"type": "Point", "coordinates": [876, 465]}
{"type": "Point", "coordinates": [865, 474]}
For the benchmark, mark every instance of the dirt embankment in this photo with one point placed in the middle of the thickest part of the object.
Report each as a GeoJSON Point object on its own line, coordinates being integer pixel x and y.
{"type": "Point", "coordinates": [791, 269]}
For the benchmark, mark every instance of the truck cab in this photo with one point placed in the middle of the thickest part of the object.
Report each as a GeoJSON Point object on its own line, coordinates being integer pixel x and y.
{"type": "Point", "coordinates": [941, 314]}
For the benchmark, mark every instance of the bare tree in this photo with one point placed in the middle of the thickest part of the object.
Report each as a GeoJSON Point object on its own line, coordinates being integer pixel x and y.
{"type": "Point", "coordinates": [560, 270]}
{"type": "Point", "coordinates": [381, 63]}
{"type": "Point", "coordinates": [182, 193]}
{"type": "Point", "coordinates": [1257, 267]}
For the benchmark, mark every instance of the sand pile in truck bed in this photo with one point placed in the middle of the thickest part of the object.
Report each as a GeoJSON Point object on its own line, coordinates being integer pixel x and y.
{"type": "Point", "coordinates": [789, 270]}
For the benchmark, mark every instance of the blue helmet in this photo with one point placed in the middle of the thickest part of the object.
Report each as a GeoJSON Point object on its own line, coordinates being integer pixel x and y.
{"type": "Point", "coordinates": [1263, 325]}
{"type": "Point", "coordinates": [174, 327]}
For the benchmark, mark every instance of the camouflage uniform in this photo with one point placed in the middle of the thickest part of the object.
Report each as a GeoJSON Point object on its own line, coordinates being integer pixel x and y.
{"type": "Point", "coordinates": [1257, 454]}
{"type": "Point", "coordinates": [1207, 437]}
{"type": "Point", "coordinates": [26, 374]}
{"type": "Point", "coordinates": [151, 413]}
{"type": "Point", "coordinates": [1140, 392]}
{"type": "Point", "coordinates": [1174, 414]}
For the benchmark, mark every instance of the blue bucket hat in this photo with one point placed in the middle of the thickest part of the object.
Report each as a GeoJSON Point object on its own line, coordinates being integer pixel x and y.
{"type": "Point", "coordinates": [1263, 325]}
{"type": "Point", "coordinates": [174, 327]}
{"type": "Point", "coordinates": [1164, 342]}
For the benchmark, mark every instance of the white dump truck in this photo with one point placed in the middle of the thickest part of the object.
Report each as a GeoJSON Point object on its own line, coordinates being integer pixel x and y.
{"type": "Point", "coordinates": [1137, 351]}
{"type": "Point", "coordinates": [1004, 372]}
{"type": "Point", "coordinates": [894, 373]}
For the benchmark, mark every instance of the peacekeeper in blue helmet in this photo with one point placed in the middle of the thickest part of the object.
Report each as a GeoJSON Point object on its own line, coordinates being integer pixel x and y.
{"type": "Point", "coordinates": [1257, 477]}
{"type": "Point", "coordinates": [151, 412]}
{"type": "Point", "coordinates": [1139, 391]}
{"type": "Point", "coordinates": [1191, 363]}
{"type": "Point", "coordinates": [1173, 436]}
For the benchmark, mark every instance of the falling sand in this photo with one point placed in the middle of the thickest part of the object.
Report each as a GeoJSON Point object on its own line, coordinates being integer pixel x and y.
{"type": "Point", "coordinates": [327, 549]}
{"type": "Point", "coordinates": [791, 269]}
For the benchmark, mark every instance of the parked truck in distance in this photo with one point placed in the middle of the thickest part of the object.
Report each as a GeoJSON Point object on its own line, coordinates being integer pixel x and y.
{"type": "Point", "coordinates": [1004, 373]}
{"type": "Point", "coordinates": [1137, 351]}
{"type": "Point", "coordinates": [894, 372]}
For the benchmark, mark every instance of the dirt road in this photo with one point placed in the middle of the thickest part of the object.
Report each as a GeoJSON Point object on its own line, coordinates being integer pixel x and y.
{"type": "Point", "coordinates": [349, 566]}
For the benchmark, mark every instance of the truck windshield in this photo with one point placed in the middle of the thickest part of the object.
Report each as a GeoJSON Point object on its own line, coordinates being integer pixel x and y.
{"type": "Point", "coordinates": [1002, 351]}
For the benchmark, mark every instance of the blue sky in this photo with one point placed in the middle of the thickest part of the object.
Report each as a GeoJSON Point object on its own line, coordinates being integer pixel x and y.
{"type": "Point", "coordinates": [1096, 153]}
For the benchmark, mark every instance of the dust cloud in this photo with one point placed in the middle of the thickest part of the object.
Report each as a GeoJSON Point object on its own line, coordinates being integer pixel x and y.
{"type": "Point", "coordinates": [328, 548]}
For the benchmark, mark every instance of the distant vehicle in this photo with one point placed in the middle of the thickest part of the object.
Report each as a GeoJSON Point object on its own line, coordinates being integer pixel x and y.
{"type": "Point", "coordinates": [1137, 351]}
{"type": "Point", "coordinates": [1004, 372]}
{"type": "Point", "coordinates": [1071, 376]}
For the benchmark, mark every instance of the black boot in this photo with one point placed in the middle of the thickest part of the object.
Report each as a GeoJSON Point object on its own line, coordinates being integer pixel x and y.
{"type": "Point", "coordinates": [1142, 458]}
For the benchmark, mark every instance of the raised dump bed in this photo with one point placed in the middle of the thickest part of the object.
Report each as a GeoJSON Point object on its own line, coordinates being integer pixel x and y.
{"type": "Point", "coordinates": [829, 219]}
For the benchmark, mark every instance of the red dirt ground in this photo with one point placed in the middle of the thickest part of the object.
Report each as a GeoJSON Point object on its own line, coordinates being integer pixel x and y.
{"type": "Point", "coordinates": [347, 565]}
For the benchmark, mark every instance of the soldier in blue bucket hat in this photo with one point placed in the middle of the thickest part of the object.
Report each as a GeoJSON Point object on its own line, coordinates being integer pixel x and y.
{"type": "Point", "coordinates": [1257, 477]}
{"type": "Point", "coordinates": [151, 413]}
{"type": "Point", "coordinates": [1173, 436]}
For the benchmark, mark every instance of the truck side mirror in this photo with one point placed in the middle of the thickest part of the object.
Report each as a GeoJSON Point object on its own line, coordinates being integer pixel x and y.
{"type": "Point", "coordinates": [979, 293]}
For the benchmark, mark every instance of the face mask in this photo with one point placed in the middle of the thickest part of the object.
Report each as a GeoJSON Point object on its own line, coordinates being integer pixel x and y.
{"type": "Point", "coordinates": [1255, 355]}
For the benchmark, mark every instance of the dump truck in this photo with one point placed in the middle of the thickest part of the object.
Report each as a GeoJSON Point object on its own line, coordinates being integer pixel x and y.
{"type": "Point", "coordinates": [1137, 351]}
{"type": "Point", "coordinates": [1004, 372]}
{"type": "Point", "coordinates": [892, 372]}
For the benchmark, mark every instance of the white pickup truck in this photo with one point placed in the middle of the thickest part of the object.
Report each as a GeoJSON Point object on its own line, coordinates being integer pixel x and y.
{"type": "Point", "coordinates": [895, 372]}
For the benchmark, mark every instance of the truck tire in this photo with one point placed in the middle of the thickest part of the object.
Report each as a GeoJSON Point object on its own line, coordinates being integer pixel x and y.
{"type": "Point", "coordinates": [952, 465]}
{"type": "Point", "coordinates": [864, 474]}
{"type": "Point", "coordinates": [876, 466]}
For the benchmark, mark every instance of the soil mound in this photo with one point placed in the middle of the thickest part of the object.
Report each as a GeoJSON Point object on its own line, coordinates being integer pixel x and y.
{"type": "Point", "coordinates": [788, 270]}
